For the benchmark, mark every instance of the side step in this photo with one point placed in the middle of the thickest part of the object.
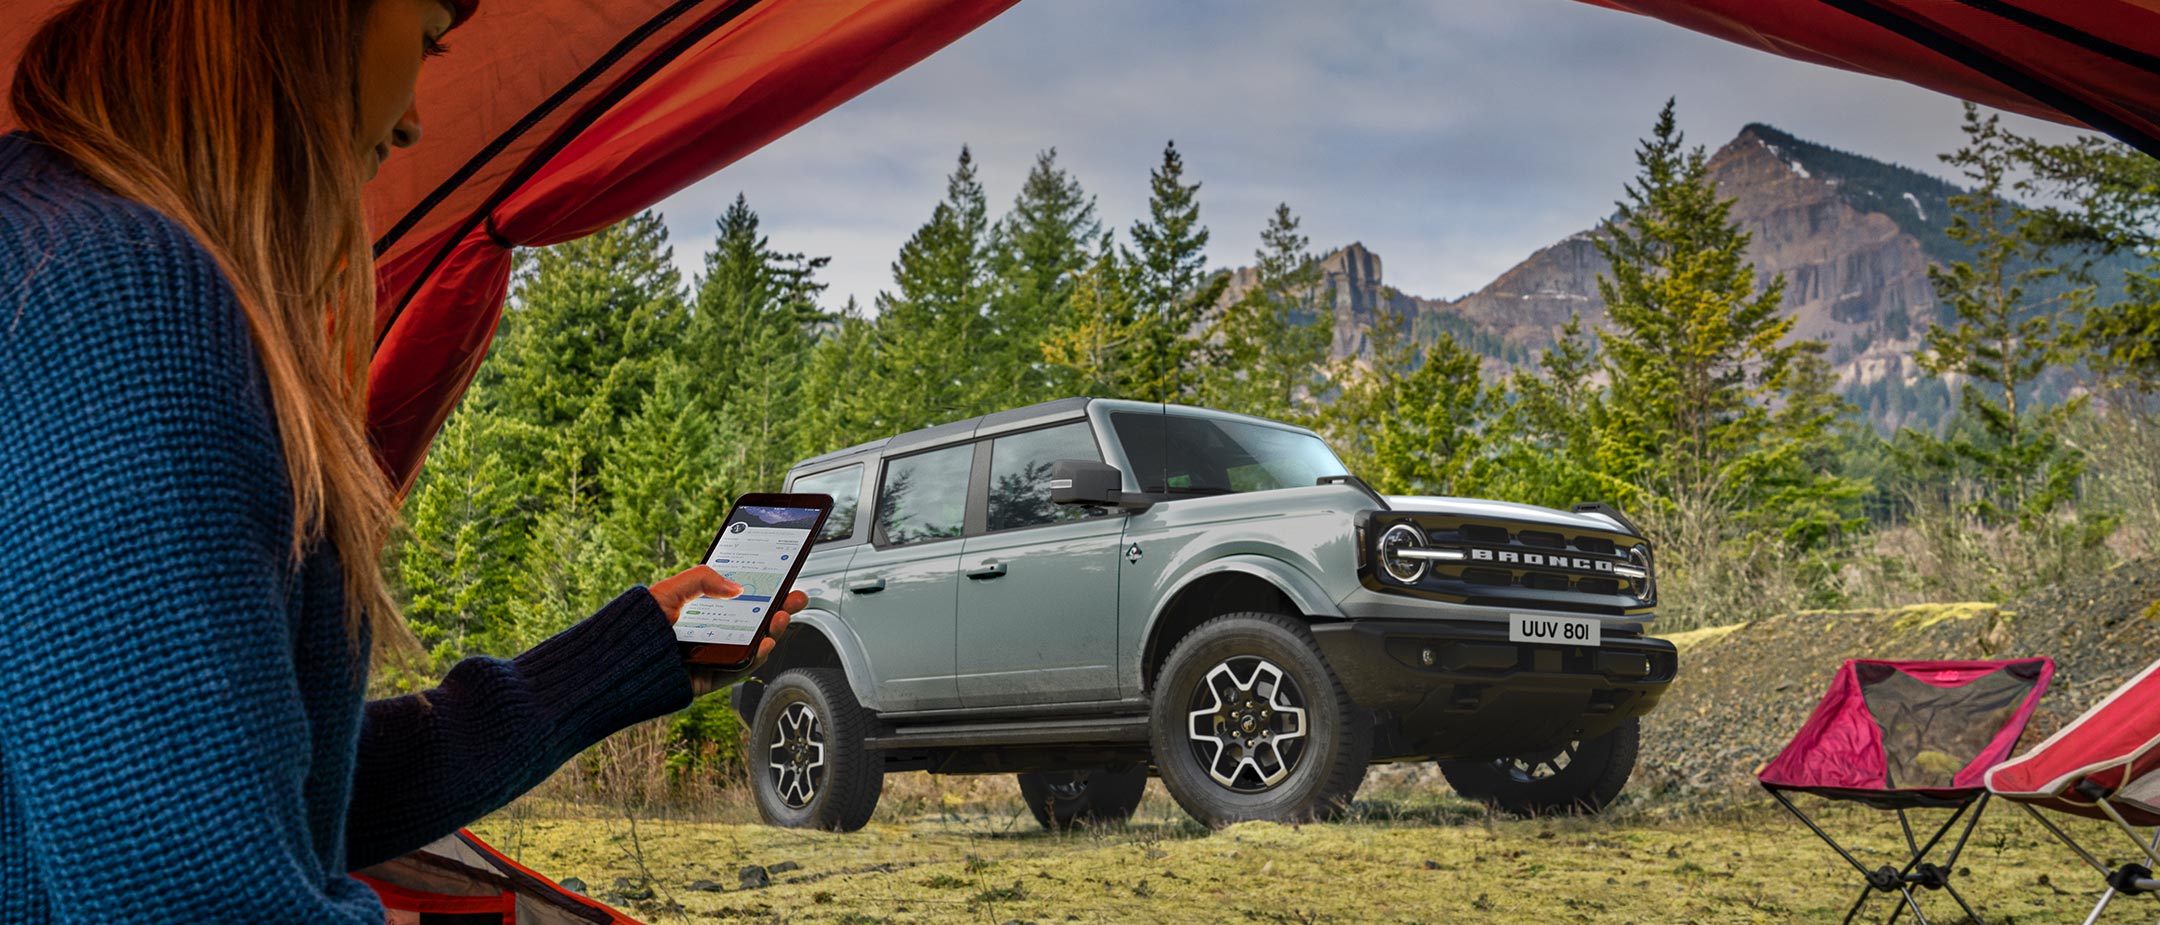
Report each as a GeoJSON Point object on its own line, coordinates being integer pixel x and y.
{"type": "Point", "coordinates": [1097, 729]}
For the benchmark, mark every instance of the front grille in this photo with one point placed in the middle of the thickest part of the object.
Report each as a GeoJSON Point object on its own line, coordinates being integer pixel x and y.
{"type": "Point", "coordinates": [1501, 563]}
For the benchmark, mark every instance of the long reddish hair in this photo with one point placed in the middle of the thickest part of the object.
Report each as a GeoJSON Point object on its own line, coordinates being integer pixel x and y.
{"type": "Point", "coordinates": [238, 119]}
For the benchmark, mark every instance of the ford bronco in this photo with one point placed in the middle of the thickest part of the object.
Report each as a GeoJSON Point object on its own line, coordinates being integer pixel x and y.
{"type": "Point", "coordinates": [1088, 592]}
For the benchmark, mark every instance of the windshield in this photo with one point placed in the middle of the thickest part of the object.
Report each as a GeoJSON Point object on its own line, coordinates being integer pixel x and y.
{"type": "Point", "coordinates": [1174, 454]}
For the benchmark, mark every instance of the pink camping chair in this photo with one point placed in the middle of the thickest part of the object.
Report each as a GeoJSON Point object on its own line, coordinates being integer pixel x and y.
{"type": "Point", "coordinates": [2104, 765]}
{"type": "Point", "coordinates": [1904, 736]}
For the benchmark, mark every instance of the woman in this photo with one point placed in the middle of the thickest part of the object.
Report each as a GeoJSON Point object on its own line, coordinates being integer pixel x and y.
{"type": "Point", "coordinates": [191, 519]}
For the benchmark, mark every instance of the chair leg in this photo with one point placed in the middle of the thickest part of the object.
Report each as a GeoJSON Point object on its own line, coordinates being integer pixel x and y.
{"type": "Point", "coordinates": [1962, 904]}
{"type": "Point", "coordinates": [1819, 833]}
{"type": "Point", "coordinates": [1865, 891]}
{"type": "Point", "coordinates": [1901, 881]}
{"type": "Point", "coordinates": [1914, 903]}
{"type": "Point", "coordinates": [2105, 898]}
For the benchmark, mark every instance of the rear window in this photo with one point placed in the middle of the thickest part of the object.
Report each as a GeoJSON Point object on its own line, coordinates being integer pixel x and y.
{"type": "Point", "coordinates": [1174, 454]}
{"type": "Point", "coordinates": [845, 486]}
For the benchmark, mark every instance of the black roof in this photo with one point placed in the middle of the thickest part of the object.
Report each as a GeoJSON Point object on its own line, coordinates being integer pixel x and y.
{"type": "Point", "coordinates": [1009, 419]}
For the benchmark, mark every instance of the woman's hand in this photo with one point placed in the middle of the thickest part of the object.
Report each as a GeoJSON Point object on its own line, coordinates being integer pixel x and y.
{"type": "Point", "coordinates": [703, 581]}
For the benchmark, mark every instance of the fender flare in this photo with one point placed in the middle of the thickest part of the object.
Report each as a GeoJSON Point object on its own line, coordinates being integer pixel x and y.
{"type": "Point", "coordinates": [843, 642]}
{"type": "Point", "coordinates": [1302, 590]}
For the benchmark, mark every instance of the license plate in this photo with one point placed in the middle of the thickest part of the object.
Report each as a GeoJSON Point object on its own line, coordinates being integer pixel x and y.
{"type": "Point", "coordinates": [1562, 631]}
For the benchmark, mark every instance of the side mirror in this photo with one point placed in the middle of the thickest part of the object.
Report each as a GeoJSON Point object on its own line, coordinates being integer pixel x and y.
{"type": "Point", "coordinates": [1088, 481]}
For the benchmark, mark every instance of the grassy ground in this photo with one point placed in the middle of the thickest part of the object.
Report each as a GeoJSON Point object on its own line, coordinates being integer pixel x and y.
{"type": "Point", "coordinates": [1691, 841]}
{"type": "Point", "coordinates": [1407, 855]}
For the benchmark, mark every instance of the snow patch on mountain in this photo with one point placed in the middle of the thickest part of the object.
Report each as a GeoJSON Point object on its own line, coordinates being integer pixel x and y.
{"type": "Point", "coordinates": [1917, 210]}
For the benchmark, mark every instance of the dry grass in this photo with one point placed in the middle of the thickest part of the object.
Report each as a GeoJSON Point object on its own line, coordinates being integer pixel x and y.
{"type": "Point", "coordinates": [1406, 855]}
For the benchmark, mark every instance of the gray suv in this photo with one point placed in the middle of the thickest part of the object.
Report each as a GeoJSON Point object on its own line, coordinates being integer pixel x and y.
{"type": "Point", "coordinates": [1086, 592]}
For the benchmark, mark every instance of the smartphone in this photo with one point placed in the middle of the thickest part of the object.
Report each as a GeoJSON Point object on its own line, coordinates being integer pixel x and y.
{"type": "Point", "coordinates": [761, 546]}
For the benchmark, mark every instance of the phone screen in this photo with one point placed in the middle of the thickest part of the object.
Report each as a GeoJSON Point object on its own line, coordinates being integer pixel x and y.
{"type": "Point", "coordinates": [759, 547]}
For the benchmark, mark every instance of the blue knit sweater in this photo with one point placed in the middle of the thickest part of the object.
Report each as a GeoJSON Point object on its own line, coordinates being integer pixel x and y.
{"type": "Point", "coordinates": [182, 730]}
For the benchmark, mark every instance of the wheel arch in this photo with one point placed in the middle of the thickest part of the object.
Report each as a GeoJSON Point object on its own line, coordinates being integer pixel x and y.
{"type": "Point", "coordinates": [1228, 585]}
{"type": "Point", "coordinates": [813, 640]}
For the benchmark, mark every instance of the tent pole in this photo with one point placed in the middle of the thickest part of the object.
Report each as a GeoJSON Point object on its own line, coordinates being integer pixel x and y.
{"type": "Point", "coordinates": [2065, 838]}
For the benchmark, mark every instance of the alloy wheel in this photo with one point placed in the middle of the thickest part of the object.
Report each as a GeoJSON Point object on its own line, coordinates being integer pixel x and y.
{"type": "Point", "coordinates": [1070, 791]}
{"type": "Point", "coordinates": [1246, 724]}
{"type": "Point", "coordinates": [1539, 766]}
{"type": "Point", "coordinates": [797, 755]}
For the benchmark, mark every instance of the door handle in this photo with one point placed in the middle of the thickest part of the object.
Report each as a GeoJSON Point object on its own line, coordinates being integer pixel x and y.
{"type": "Point", "coordinates": [871, 586]}
{"type": "Point", "coordinates": [987, 570]}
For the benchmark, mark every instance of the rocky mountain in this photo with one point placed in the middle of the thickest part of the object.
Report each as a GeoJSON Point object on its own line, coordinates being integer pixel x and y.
{"type": "Point", "coordinates": [1852, 236]}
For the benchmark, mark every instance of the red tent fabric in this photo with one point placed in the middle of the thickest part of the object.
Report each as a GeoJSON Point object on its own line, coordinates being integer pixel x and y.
{"type": "Point", "coordinates": [2094, 63]}
{"type": "Point", "coordinates": [748, 73]}
{"type": "Point", "coordinates": [1889, 732]}
{"type": "Point", "coordinates": [459, 878]}
{"type": "Point", "coordinates": [553, 118]}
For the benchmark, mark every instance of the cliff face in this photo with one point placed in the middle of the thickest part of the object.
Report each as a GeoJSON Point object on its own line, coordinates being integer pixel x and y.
{"type": "Point", "coordinates": [1350, 289]}
{"type": "Point", "coordinates": [1853, 238]}
{"type": "Point", "coordinates": [1853, 279]}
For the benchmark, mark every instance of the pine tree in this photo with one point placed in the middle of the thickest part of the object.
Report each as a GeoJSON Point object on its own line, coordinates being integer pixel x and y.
{"type": "Point", "coordinates": [932, 331]}
{"type": "Point", "coordinates": [1037, 252]}
{"type": "Point", "coordinates": [1410, 420]}
{"type": "Point", "coordinates": [1102, 331]}
{"type": "Point", "coordinates": [1432, 442]}
{"type": "Point", "coordinates": [458, 562]}
{"type": "Point", "coordinates": [667, 479]}
{"type": "Point", "coordinates": [1171, 286]}
{"type": "Point", "coordinates": [843, 410]}
{"type": "Point", "coordinates": [565, 572]}
{"type": "Point", "coordinates": [1696, 355]}
{"type": "Point", "coordinates": [1547, 435]}
{"type": "Point", "coordinates": [1265, 351]}
{"type": "Point", "coordinates": [589, 303]}
{"type": "Point", "coordinates": [2003, 340]}
{"type": "Point", "coordinates": [748, 338]}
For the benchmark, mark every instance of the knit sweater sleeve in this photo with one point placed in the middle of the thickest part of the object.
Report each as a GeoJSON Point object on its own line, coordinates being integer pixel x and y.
{"type": "Point", "coordinates": [152, 720]}
{"type": "Point", "coordinates": [432, 761]}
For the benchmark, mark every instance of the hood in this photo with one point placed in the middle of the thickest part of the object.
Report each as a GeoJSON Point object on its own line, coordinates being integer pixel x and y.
{"type": "Point", "coordinates": [1506, 510]}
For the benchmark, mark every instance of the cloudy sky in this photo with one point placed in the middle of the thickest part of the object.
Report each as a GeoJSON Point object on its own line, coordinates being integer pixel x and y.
{"type": "Point", "coordinates": [1452, 137]}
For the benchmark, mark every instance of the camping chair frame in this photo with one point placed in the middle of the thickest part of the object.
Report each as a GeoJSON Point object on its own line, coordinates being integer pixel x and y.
{"type": "Point", "coordinates": [2131, 878]}
{"type": "Point", "coordinates": [1917, 872]}
{"type": "Point", "coordinates": [1864, 744]}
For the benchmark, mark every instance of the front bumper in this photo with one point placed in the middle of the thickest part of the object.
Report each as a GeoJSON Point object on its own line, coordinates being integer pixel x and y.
{"type": "Point", "coordinates": [1483, 696]}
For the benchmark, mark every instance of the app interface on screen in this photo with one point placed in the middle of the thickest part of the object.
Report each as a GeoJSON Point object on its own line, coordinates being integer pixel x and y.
{"type": "Point", "coordinates": [757, 547]}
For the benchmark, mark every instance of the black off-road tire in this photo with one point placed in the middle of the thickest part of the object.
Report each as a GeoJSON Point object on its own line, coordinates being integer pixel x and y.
{"type": "Point", "coordinates": [1594, 773]}
{"type": "Point", "coordinates": [1317, 772]}
{"type": "Point", "coordinates": [831, 781]}
{"type": "Point", "coordinates": [1063, 799]}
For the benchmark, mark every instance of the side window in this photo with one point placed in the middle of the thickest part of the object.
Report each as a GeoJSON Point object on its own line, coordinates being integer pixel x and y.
{"type": "Point", "coordinates": [1020, 474]}
{"type": "Point", "coordinates": [845, 487]}
{"type": "Point", "coordinates": [924, 496]}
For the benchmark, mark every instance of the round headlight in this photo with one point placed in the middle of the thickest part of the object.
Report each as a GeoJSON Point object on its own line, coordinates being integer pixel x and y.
{"type": "Point", "coordinates": [1402, 536]}
{"type": "Point", "coordinates": [1639, 556]}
